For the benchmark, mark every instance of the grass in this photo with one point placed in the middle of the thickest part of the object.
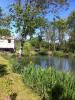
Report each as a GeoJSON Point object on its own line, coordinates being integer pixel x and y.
{"type": "Point", "coordinates": [11, 83]}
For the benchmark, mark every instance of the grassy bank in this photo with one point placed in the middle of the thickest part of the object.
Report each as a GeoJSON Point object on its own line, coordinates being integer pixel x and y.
{"type": "Point", "coordinates": [11, 84]}
{"type": "Point", "coordinates": [63, 54]}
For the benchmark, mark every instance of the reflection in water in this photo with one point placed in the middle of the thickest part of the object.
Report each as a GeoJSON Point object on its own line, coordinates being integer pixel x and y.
{"type": "Point", "coordinates": [64, 64]}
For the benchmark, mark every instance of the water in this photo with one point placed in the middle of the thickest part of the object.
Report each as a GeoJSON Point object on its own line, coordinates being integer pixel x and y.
{"type": "Point", "coordinates": [64, 64]}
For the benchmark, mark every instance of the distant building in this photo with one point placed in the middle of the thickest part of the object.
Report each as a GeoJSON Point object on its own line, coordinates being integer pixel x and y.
{"type": "Point", "coordinates": [7, 43]}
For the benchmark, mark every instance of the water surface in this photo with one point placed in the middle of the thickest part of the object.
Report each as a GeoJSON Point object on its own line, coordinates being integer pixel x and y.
{"type": "Point", "coordinates": [64, 64]}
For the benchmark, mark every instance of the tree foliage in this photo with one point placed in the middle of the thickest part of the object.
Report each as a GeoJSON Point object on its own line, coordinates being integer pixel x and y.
{"type": "Point", "coordinates": [27, 20]}
{"type": "Point", "coordinates": [4, 23]}
{"type": "Point", "coordinates": [71, 25]}
{"type": "Point", "coordinates": [4, 32]}
{"type": "Point", "coordinates": [61, 26]}
{"type": "Point", "coordinates": [46, 5]}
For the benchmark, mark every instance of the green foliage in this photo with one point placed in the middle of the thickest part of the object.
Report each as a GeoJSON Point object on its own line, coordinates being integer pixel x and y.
{"type": "Point", "coordinates": [35, 42]}
{"type": "Point", "coordinates": [49, 83]}
{"type": "Point", "coordinates": [43, 51]}
{"type": "Point", "coordinates": [59, 53]}
{"type": "Point", "coordinates": [71, 45]}
{"type": "Point", "coordinates": [63, 47]}
{"type": "Point", "coordinates": [70, 20]}
{"type": "Point", "coordinates": [61, 26]}
{"type": "Point", "coordinates": [45, 44]}
{"type": "Point", "coordinates": [46, 5]}
{"type": "Point", "coordinates": [71, 25]}
{"type": "Point", "coordinates": [26, 20]}
{"type": "Point", "coordinates": [17, 66]}
{"type": "Point", "coordinates": [4, 32]}
{"type": "Point", "coordinates": [4, 23]}
{"type": "Point", "coordinates": [51, 46]}
{"type": "Point", "coordinates": [27, 48]}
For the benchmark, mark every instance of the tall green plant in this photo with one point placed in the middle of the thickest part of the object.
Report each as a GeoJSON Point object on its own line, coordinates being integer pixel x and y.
{"type": "Point", "coordinates": [49, 83]}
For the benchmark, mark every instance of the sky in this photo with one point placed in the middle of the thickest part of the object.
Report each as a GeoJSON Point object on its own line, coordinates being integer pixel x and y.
{"type": "Point", "coordinates": [64, 13]}
{"type": "Point", "coordinates": [4, 4]}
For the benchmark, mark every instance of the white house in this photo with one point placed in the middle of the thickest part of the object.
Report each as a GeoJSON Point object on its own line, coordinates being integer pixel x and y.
{"type": "Point", "coordinates": [7, 43]}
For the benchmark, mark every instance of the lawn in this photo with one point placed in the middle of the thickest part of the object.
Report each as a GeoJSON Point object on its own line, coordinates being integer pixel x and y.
{"type": "Point", "coordinates": [11, 84]}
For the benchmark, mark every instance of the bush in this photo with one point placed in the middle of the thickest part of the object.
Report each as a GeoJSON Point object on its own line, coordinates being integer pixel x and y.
{"type": "Point", "coordinates": [71, 45]}
{"type": "Point", "coordinates": [19, 64]}
{"type": "Point", "coordinates": [58, 53]}
{"type": "Point", "coordinates": [17, 67]}
{"type": "Point", "coordinates": [35, 43]}
{"type": "Point", "coordinates": [45, 44]}
{"type": "Point", "coordinates": [27, 48]}
{"type": "Point", "coordinates": [43, 51]}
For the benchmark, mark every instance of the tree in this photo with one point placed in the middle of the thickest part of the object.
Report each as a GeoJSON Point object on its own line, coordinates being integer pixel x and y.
{"type": "Point", "coordinates": [4, 32]}
{"type": "Point", "coordinates": [4, 23]}
{"type": "Point", "coordinates": [39, 7]}
{"type": "Point", "coordinates": [71, 25]}
{"type": "Point", "coordinates": [61, 26]}
{"type": "Point", "coordinates": [71, 28]}
{"type": "Point", "coordinates": [49, 33]}
{"type": "Point", "coordinates": [49, 5]}
{"type": "Point", "coordinates": [46, 6]}
{"type": "Point", "coordinates": [27, 20]}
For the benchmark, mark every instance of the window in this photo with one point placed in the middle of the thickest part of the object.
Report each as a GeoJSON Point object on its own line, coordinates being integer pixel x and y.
{"type": "Point", "coordinates": [9, 41]}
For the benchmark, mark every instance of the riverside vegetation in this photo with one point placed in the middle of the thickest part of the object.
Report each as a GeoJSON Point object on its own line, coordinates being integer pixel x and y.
{"type": "Point", "coordinates": [47, 82]}
{"type": "Point", "coordinates": [11, 85]}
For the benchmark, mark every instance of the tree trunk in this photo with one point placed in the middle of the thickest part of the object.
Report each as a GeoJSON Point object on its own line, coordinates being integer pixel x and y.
{"type": "Point", "coordinates": [22, 45]}
{"type": "Point", "coordinates": [54, 46]}
{"type": "Point", "coordinates": [59, 37]}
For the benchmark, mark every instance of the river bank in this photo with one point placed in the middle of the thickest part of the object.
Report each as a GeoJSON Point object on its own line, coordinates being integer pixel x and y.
{"type": "Point", "coordinates": [11, 84]}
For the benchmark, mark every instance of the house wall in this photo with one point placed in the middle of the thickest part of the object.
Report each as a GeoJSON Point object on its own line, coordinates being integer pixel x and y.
{"type": "Point", "coordinates": [4, 44]}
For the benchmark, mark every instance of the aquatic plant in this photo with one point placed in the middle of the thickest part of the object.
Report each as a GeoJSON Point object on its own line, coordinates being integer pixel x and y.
{"type": "Point", "coordinates": [49, 83]}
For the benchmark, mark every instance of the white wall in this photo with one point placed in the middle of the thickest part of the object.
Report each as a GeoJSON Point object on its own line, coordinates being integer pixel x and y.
{"type": "Point", "coordinates": [5, 44]}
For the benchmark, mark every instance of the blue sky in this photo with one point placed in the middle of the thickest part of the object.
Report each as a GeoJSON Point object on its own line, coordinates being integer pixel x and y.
{"type": "Point", "coordinates": [4, 4]}
{"type": "Point", "coordinates": [64, 13]}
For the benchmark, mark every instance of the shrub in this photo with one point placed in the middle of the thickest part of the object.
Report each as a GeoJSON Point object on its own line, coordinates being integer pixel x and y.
{"type": "Point", "coordinates": [71, 45]}
{"type": "Point", "coordinates": [34, 42]}
{"type": "Point", "coordinates": [45, 44]}
{"type": "Point", "coordinates": [18, 64]}
{"type": "Point", "coordinates": [27, 48]}
{"type": "Point", "coordinates": [17, 67]}
{"type": "Point", "coordinates": [43, 51]}
{"type": "Point", "coordinates": [58, 53]}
